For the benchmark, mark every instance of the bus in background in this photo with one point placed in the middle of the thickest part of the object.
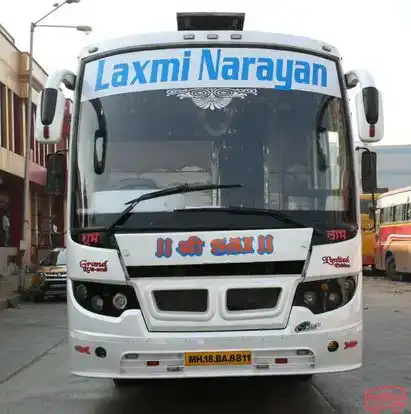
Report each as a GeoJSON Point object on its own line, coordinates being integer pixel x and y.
{"type": "Point", "coordinates": [367, 210]}
{"type": "Point", "coordinates": [393, 233]}
{"type": "Point", "coordinates": [262, 274]}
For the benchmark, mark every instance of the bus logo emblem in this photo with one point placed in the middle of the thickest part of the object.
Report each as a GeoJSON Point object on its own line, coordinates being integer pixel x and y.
{"type": "Point", "coordinates": [306, 326]}
{"type": "Point", "coordinates": [337, 261]}
{"type": "Point", "coordinates": [90, 267]}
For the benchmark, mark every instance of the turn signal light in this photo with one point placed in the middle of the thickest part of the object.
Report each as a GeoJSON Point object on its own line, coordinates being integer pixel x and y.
{"type": "Point", "coordinates": [153, 363]}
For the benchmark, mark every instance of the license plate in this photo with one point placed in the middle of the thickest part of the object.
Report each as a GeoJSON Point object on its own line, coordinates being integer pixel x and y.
{"type": "Point", "coordinates": [58, 286]}
{"type": "Point", "coordinates": [218, 358]}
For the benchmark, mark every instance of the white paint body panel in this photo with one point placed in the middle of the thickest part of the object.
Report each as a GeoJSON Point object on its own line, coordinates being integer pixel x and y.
{"type": "Point", "coordinates": [139, 250]}
{"type": "Point", "coordinates": [267, 334]}
{"type": "Point", "coordinates": [130, 334]}
{"type": "Point", "coordinates": [148, 40]}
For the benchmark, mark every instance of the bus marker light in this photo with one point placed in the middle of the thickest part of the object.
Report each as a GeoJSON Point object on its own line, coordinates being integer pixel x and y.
{"type": "Point", "coordinates": [281, 360]}
{"type": "Point", "coordinates": [153, 363]}
{"type": "Point", "coordinates": [333, 346]}
{"type": "Point", "coordinates": [350, 344]}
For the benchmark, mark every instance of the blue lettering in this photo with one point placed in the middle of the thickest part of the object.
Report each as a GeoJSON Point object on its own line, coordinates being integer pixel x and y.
{"type": "Point", "coordinates": [212, 68]}
{"type": "Point", "coordinates": [248, 61]}
{"type": "Point", "coordinates": [265, 69]}
{"type": "Point", "coordinates": [186, 66]}
{"type": "Point", "coordinates": [231, 68]}
{"type": "Point", "coordinates": [302, 72]}
{"type": "Point", "coordinates": [165, 64]}
{"type": "Point", "coordinates": [100, 74]}
{"type": "Point", "coordinates": [213, 65]}
{"type": "Point", "coordinates": [316, 70]}
{"type": "Point", "coordinates": [139, 72]}
{"type": "Point", "coordinates": [286, 77]}
{"type": "Point", "coordinates": [120, 77]}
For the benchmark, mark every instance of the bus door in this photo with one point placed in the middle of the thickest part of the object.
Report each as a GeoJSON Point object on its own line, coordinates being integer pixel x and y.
{"type": "Point", "coordinates": [379, 259]}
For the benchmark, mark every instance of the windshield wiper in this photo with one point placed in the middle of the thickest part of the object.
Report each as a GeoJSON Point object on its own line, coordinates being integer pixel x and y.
{"type": "Point", "coordinates": [253, 211]}
{"type": "Point", "coordinates": [179, 189]}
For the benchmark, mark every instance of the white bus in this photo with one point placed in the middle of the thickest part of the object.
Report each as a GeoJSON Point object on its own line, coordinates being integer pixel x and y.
{"type": "Point", "coordinates": [213, 203]}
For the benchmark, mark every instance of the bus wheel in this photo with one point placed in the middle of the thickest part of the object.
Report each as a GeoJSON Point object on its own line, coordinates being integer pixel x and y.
{"type": "Point", "coordinates": [391, 269]}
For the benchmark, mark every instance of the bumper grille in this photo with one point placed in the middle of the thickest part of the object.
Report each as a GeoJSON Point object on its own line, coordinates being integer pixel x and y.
{"type": "Point", "coordinates": [189, 300]}
{"type": "Point", "coordinates": [218, 269]}
{"type": "Point", "coordinates": [252, 299]}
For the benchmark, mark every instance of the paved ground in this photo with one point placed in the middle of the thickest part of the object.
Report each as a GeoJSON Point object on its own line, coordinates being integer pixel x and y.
{"type": "Point", "coordinates": [34, 370]}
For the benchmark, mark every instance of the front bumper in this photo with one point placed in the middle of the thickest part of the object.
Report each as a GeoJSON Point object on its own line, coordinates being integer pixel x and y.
{"type": "Point", "coordinates": [50, 287]}
{"type": "Point", "coordinates": [169, 352]}
{"type": "Point", "coordinates": [306, 352]}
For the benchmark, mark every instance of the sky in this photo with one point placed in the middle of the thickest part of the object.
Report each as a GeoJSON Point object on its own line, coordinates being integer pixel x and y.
{"type": "Point", "coordinates": [371, 35]}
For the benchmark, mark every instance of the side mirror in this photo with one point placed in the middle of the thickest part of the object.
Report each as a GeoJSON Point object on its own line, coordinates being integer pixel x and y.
{"type": "Point", "coordinates": [369, 172]}
{"type": "Point", "coordinates": [371, 213]}
{"type": "Point", "coordinates": [56, 174]}
{"type": "Point", "coordinates": [100, 149]}
{"type": "Point", "coordinates": [50, 117]}
{"type": "Point", "coordinates": [370, 117]}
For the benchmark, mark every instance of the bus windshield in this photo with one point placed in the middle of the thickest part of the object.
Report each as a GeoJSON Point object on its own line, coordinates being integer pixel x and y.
{"type": "Point", "coordinates": [286, 145]}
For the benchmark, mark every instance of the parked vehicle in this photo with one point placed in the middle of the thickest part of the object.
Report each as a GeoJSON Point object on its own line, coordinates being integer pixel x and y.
{"type": "Point", "coordinates": [50, 279]}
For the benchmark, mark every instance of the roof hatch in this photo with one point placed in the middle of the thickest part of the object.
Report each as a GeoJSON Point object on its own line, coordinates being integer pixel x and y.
{"type": "Point", "coordinates": [210, 21]}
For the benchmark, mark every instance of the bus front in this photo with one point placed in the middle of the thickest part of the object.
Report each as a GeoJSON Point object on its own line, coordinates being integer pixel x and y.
{"type": "Point", "coordinates": [214, 223]}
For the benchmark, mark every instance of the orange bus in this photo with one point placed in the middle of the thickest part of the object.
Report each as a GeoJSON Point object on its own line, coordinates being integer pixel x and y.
{"type": "Point", "coordinates": [393, 233]}
{"type": "Point", "coordinates": [368, 230]}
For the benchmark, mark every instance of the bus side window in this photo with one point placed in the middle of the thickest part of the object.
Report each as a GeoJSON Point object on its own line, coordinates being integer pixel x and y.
{"type": "Point", "coordinates": [391, 214]}
{"type": "Point", "coordinates": [403, 212]}
{"type": "Point", "coordinates": [377, 220]}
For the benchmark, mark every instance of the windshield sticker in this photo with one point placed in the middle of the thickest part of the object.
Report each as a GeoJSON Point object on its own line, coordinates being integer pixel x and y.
{"type": "Point", "coordinates": [337, 261]}
{"type": "Point", "coordinates": [195, 246]}
{"type": "Point", "coordinates": [209, 68]}
{"type": "Point", "coordinates": [211, 98]}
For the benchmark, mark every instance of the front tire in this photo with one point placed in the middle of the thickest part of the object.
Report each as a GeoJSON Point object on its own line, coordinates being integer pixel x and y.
{"type": "Point", "coordinates": [391, 269]}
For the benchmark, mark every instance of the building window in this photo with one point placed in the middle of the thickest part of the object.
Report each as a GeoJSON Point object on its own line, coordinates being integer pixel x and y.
{"type": "Point", "coordinates": [3, 135]}
{"type": "Point", "coordinates": [18, 136]}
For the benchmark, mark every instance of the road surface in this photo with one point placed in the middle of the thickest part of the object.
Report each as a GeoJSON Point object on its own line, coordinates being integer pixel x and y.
{"type": "Point", "coordinates": [34, 374]}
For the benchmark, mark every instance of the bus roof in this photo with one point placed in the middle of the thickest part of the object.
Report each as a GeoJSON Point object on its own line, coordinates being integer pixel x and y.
{"type": "Point", "coordinates": [397, 191]}
{"type": "Point", "coordinates": [225, 37]}
{"type": "Point", "coordinates": [394, 197]}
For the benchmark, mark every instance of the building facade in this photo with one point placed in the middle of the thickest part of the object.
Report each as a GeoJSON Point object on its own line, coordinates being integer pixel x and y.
{"type": "Point", "coordinates": [14, 65]}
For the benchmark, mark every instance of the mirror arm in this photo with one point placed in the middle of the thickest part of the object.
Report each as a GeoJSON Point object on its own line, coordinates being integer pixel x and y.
{"type": "Point", "coordinates": [67, 77]}
{"type": "Point", "coordinates": [361, 76]}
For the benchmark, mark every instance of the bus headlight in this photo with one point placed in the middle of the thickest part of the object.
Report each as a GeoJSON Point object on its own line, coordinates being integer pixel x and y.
{"type": "Point", "coordinates": [322, 296]}
{"type": "Point", "coordinates": [81, 292]}
{"type": "Point", "coordinates": [97, 303]}
{"type": "Point", "coordinates": [310, 298]}
{"type": "Point", "coordinates": [120, 301]}
{"type": "Point", "coordinates": [105, 298]}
